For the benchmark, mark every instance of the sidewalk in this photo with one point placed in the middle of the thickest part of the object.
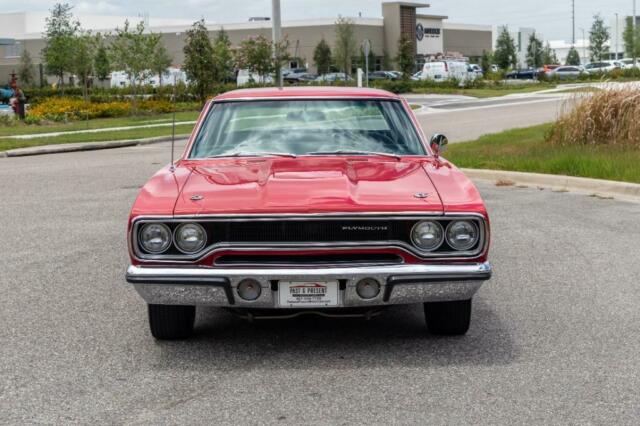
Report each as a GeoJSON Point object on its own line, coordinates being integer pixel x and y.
{"type": "Point", "coordinates": [105, 129]}
{"type": "Point", "coordinates": [86, 146]}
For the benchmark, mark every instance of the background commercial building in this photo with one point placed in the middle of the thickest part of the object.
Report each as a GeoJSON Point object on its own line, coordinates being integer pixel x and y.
{"type": "Point", "coordinates": [433, 35]}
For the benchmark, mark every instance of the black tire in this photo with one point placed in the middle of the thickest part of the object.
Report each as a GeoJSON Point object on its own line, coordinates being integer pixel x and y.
{"type": "Point", "coordinates": [171, 322]}
{"type": "Point", "coordinates": [448, 318]}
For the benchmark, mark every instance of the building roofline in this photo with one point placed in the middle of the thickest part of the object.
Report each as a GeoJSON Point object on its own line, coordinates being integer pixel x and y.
{"type": "Point", "coordinates": [427, 16]}
{"type": "Point", "coordinates": [407, 3]}
{"type": "Point", "coordinates": [253, 25]}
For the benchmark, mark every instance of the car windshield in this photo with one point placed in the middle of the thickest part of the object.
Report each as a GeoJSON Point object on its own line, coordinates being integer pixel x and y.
{"type": "Point", "coordinates": [307, 127]}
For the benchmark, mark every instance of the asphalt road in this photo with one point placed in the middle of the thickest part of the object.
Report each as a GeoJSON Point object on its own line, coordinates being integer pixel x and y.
{"type": "Point", "coordinates": [555, 336]}
{"type": "Point", "coordinates": [464, 119]}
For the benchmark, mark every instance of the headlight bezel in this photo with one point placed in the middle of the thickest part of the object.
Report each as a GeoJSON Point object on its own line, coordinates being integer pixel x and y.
{"type": "Point", "coordinates": [422, 249]}
{"type": "Point", "coordinates": [475, 241]}
{"type": "Point", "coordinates": [141, 244]}
{"type": "Point", "coordinates": [201, 246]}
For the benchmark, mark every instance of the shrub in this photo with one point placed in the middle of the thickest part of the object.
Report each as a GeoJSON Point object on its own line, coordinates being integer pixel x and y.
{"type": "Point", "coordinates": [7, 120]}
{"type": "Point", "coordinates": [609, 117]}
{"type": "Point", "coordinates": [71, 109]}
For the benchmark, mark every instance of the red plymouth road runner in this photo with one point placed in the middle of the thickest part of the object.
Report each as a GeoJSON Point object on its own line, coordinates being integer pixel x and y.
{"type": "Point", "coordinates": [308, 200]}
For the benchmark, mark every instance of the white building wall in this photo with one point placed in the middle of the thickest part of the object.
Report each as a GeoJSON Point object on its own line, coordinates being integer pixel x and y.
{"type": "Point", "coordinates": [432, 36]}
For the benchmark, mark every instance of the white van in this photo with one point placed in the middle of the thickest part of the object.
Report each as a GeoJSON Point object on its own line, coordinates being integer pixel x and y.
{"type": "Point", "coordinates": [445, 70]}
{"type": "Point", "coordinates": [246, 77]}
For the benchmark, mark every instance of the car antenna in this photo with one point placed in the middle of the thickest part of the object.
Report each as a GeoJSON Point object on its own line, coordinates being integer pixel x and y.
{"type": "Point", "coordinates": [172, 168]}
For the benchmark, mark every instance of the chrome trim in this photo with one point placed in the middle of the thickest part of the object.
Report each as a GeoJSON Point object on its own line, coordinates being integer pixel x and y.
{"type": "Point", "coordinates": [336, 245]}
{"type": "Point", "coordinates": [400, 284]}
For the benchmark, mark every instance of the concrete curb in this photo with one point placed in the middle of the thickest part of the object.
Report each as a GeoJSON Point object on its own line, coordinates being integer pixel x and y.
{"type": "Point", "coordinates": [596, 187]}
{"type": "Point", "coordinates": [84, 146]}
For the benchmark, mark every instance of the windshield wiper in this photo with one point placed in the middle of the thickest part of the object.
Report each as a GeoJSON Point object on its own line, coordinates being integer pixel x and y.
{"type": "Point", "coordinates": [346, 152]}
{"type": "Point", "coordinates": [256, 154]}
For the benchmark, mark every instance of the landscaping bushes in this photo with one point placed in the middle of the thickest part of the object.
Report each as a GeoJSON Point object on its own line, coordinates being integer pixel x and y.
{"type": "Point", "coordinates": [610, 117]}
{"type": "Point", "coordinates": [71, 109]}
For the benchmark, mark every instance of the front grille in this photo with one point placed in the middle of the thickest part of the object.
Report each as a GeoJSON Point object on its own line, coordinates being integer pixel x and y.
{"type": "Point", "coordinates": [321, 231]}
{"type": "Point", "coordinates": [353, 232]}
{"type": "Point", "coordinates": [323, 259]}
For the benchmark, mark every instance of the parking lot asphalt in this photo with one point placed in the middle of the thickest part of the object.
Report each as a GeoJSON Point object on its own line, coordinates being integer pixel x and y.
{"type": "Point", "coordinates": [465, 119]}
{"type": "Point", "coordinates": [555, 335]}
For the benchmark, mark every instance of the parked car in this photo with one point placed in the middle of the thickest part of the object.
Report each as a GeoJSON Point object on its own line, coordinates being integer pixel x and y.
{"type": "Point", "coordinates": [616, 63]}
{"type": "Point", "coordinates": [477, 69]}
{"type": "Point", "coordinates": [445, 70]}
{"type": "Point", "coordinates": [550, 67]}
{"type": "Point", "coordinates": [628, 63]}
{"type": "Point", "coordinates": [287, 71]}
{"type": "Point", "coordinates": [334, 76]}
{"type": "Point", "coordinates": [245, 77]}
{"type": "Point", "coordinates": [566, 72]}
{"type": "Point", "coordinates": [524, 74]}
{"type": "Point", "coordinates": [417, 76]}
{"type": "Point", "coordinates": [383, 75]}
{"type": "Point", "coordinates": [308, 200]}
{"type": "Point", "coordinates": [600, 67]}
{"type": "Point", "coordinates": [299, 77]}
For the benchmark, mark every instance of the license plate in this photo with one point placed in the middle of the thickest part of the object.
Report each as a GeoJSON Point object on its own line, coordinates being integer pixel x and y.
{"type": "Point", "coordinates": [308, 294]}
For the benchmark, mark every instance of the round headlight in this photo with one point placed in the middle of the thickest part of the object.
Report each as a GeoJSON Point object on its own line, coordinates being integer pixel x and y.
{"type": "Point", "coordinates": [427, 236]}
{"type": "Point", "coordinates": [462, 235]}
{"type": "Point", "coordinates": [155, 238]}
{"type": "Point", "coordinates": [190, 238]}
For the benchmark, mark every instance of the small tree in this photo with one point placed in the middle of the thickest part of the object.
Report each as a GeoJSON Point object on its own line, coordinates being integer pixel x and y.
{"type": "Point", "coordinates": [132, 51]}
{"type": "Point", "coordinates": [280, 55]}
{"type": "Point", "coordinates": [83, 59]}
{"type": "Point", "coordinates": [160, 61]}
{"type": "Point", "coordinates": [505, 53]}
{"type": "Point", "coordinates": [363, 60]}
{"type": "Point", "coordinates": [198, 60]}
{"type": "Point", "coordinates": [345, 47]}
{"type": "Point", "coordinates": [631, 38]}
{"type": "Point", "coordinates": [101, 64]}
{"type": "Point", "coordinates": [255, 55]}
{"type": "Point", "coordinates": [573, 58]}
{"type": "Point", "coordinates": [406, 58]}
{"type": "Point", "coordinates": [322, 57]}
{"type": "Point", "coordinates": [535, 53]}
{"type": "Point", "coordinates": [549, 55]}
{"type": "Point", "coordinates": [25, 69]}
{"type": "Point", "coordinates": [486, 61]}
{"type": "Point", "coordinates": [598, 38]}
{"type": "Point", "coordinates": [58, 41]}
{"type": "Point", "coordinates": [223, 61]}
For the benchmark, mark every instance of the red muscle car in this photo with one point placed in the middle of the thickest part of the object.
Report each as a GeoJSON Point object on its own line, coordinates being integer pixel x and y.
{"type": "Point", "coordinates": [308, 200]}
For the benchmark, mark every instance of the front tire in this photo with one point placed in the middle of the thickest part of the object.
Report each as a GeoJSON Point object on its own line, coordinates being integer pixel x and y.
{"type": "Point", "coordinates": [448, 318]}
{"type": "Point", "coordinates": [171, 322]}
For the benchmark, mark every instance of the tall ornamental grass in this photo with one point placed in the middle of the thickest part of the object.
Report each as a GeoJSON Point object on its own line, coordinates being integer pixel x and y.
{"type": "Point", "coordinates": [609, 117]}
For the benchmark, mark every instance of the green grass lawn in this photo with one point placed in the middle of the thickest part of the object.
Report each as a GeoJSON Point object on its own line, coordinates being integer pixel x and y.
{"type": "Point", "coordinates": [181, 130]}
{"type": "Point", "coordinates": [526, 150]}
{"type": "Point", "coordinates": [99, 123]}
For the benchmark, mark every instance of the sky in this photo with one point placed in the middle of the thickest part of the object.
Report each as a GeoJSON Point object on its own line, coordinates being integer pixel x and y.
{"type": "Point", "coordinates": [552, 19]}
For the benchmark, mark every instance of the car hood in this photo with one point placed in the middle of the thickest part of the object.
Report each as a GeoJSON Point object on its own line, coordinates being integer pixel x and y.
{"type": "Point", "coordinates": [306, 185]}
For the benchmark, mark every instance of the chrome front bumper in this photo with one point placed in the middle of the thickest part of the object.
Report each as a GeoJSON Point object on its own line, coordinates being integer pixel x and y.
{"type": "Point", "coordinates": [400, 284]}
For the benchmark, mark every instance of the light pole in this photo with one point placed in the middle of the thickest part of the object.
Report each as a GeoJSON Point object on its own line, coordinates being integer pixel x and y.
{"type": "Point", "coordinates": [633, 38]}
{"type": "Point", "coordinates": [276, 36]}
{"type": "Point", "coordinates": [584, 45]}
{"type": "Point", "coordinates": [617, 33]}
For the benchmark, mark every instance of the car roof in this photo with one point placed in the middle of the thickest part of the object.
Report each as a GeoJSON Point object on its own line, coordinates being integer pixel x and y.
{"type": "Point", "coordinates": [305, 92]}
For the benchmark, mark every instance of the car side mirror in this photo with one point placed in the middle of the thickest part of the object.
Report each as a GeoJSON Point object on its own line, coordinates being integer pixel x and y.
{"type": "Point", "coordinates": [438, 144]}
